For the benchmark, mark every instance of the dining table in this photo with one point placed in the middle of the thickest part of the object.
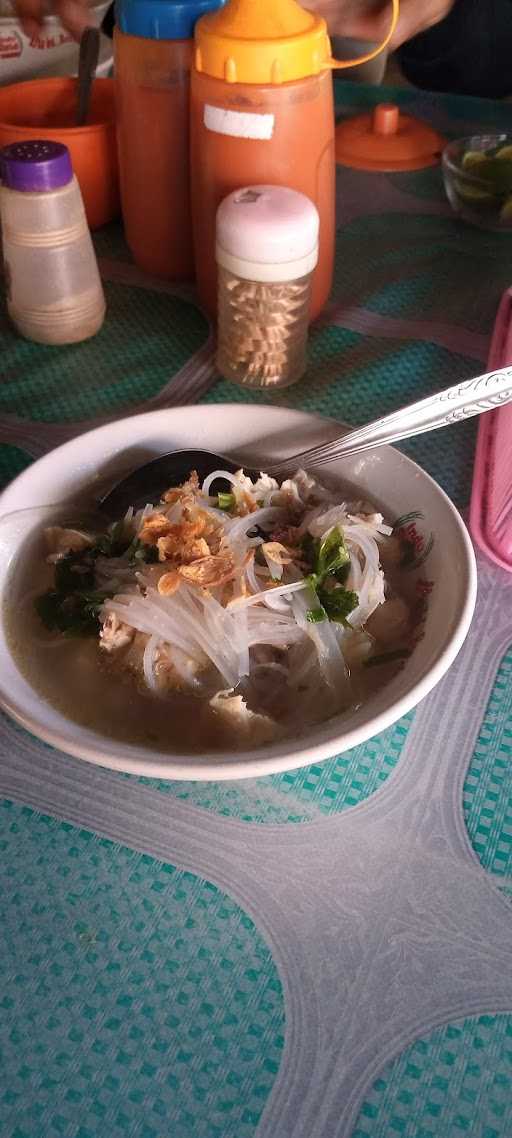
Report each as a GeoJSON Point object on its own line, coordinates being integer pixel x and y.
{"type": "Point", "coordinates": [321, 953]}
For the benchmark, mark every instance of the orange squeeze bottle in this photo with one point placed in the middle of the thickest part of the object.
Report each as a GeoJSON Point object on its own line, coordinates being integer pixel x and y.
{"type": "Point", "coordinates": [153, 54]}
{"type": "Point", "coordinates": [262, 112]}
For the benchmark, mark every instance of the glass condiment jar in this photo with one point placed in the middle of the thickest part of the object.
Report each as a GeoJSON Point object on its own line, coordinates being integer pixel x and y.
{"type": "Point", "coordinates": [266, 253]}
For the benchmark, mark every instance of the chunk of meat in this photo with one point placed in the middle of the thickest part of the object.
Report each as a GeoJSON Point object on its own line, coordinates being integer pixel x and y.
{"type": "Point", "coordinates": [175, 671]}
{"type": "Point", "coordinates": [390, 622]}
{"type": "Point", "coordinates": [290, 536]}
{"type": "Point", "coordinates": [114, 634]}
{"type": "Point", "coordinates": [390, 552]}
{"type": "Point", "coordinates": [61, 540]}
{"type": "Point", "coordinates": [248, 727]}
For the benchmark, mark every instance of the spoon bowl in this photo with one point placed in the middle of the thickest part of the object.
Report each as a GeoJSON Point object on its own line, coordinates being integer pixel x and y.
{"type": "Point", "coordinates": [145, 484]}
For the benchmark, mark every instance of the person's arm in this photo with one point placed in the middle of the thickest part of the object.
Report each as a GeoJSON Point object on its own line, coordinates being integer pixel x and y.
{"type": "Point", "coordinates": [356, 19]}
{"type": "Point", "coordinates": [369, 19]}
{"type": "Point", "coordinates": [75, 15]}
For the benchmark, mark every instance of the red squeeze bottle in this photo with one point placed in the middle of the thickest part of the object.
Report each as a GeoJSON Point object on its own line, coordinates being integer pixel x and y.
{"type": "Point", "coordinates": [153, 49]}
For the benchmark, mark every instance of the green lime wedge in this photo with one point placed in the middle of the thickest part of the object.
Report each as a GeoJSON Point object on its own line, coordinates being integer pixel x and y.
{"type": "Point", "coordinates": [474, 195]}
{"type": "Point", "coordinates": [496, 173]}
{"type": "Point", "coordinates": [473, 158]}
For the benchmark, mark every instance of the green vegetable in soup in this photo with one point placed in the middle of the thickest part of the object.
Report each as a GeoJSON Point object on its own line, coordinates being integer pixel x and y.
{"type": "Point", "coordinates": [75, 614]}
{"type": "Point", "coordinates": [72, 606]}
{"type": "Point", "coordinates": [226, 501]}
{"type": "Point", "coordinates": [330, 562]}
{"type": "Point", "coordinates": [338, 602]}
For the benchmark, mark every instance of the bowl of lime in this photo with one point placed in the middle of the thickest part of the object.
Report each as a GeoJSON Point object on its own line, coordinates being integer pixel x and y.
{"type": "Point", "coordinates": [477, 174]}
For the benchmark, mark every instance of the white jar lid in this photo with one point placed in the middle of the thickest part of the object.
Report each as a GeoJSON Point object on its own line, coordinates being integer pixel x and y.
{"type": "Point", "coordinates": [267, 233]}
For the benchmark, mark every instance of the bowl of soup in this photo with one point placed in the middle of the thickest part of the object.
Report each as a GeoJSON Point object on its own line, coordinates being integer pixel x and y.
{"type": "Point", "coordinates": [236, 625]}
{"type": "Point", "coordinates": [46, 108]}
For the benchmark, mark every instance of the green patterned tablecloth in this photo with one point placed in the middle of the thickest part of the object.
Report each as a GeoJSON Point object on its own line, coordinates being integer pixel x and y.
{"type": "Point", "coordinates": [138, 1000]}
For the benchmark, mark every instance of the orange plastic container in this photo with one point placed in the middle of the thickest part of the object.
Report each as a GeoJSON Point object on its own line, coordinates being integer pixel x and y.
{"type": "Point", "coordinates": [262, 112]}
{"type": "Point", "coordinates": [46, 109]}
{"type": "Point", "coordinates": [152, 96]}
{"type": "Point", "coordinates": [152, 56]}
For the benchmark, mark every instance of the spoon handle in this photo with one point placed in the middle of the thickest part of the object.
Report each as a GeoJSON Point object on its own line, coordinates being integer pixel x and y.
{"type": "Point", "coordinates": [471, 397]}
{"type": "Point", "coordinates": [87, 64]}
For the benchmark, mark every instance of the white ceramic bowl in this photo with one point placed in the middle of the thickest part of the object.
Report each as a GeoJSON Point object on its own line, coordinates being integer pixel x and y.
{"type": "Point", "coordinates": [52, 52]}
{"type": "Point", "coordinates": [384, 475]}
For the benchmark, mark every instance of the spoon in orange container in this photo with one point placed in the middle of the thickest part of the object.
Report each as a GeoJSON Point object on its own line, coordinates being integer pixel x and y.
{"type": "Point", "coordinates": [87, 64]}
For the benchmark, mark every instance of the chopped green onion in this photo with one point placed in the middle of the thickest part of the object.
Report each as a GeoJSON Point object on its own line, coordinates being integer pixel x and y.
{"type": "Point", "coordinates": [332, 553]}
{"type": "Point", "coordinates": [338, 602]}
{"type": "Point", "coordinates": [74, 614]}
{"type": "Point", "coordinates": [226, 501]}
{"type": "Point", "coordinates": [140, 551]}
{"type": "Point", "coordinates": [316, 616]}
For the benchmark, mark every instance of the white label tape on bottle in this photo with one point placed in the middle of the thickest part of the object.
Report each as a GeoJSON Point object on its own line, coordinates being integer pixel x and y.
{"type": "Point", "coordinates": [238, 124]}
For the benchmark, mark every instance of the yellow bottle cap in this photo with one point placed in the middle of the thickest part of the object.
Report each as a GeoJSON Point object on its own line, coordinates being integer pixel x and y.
{"type": "Point", "coordinates": [261, 41]}
{"type": "Point", "coordinates": [269, 42]}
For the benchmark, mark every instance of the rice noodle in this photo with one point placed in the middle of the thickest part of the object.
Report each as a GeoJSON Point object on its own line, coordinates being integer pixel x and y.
{"type": "Point", "coordinates": [250, 575]}
{"type": "Point", "coordinates": [238, 528]}
{"type": "Point", "coordinates": [182, 665]}
{"type": "Point", "coordinates": [219, 630]}
{"type": "Point", "coordinates": [224, 474]}
{"type": "Point", "coordinates": [277, 591]}
{"type": "Point", "coordinates": [148, 662]}
{"type": "Point", "coordinates": [330, 657]}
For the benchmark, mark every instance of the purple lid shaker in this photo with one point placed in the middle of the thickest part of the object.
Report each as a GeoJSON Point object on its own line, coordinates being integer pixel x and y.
{"type": "Point", "coordinates": [37, 165]}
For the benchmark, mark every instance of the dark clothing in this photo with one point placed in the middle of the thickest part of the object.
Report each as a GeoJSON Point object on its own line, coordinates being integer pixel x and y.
{"type": "Point", "coordinates": [468, 53]}
{"type": "Point", "coordinates": [107, 26]}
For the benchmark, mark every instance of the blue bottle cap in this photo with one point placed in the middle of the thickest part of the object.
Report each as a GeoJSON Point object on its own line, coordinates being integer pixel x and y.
{"type": "Point", "coordinates": [162, 19]}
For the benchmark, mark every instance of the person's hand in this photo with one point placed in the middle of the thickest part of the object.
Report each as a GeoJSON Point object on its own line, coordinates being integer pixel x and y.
{"type": "Point", "coordinates": [370, 19]}
{"type": "Point", "coordinates": [75, 15]}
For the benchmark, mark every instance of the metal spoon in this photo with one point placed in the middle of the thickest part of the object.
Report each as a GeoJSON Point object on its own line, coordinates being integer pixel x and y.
{"type": "Point", "coordinates": [472, 397]}
{"type": "Point", "coordinates": [147, 482]}
{"type": "Point", "coordinates": [87, 64]}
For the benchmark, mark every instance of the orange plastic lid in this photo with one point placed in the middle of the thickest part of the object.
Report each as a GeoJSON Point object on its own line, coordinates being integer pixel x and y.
{"type": "Point", "coordinates": [270, 42]}
{"type": "Point", "coordinates": [261, 41]}
{"type": "Point", "coordinates": [387, 140]}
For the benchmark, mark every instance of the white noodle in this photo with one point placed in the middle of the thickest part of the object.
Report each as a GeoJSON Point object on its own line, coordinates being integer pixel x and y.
{"type": "Point", "coordinates": [148, 662]}
{"type": "Point", "coordinates": [219, 628]}
{"type": "Point", "coordinates": [276, 590]}
{"type": "Point", "coordinates": [239, 526]}
{"type": "Point", "coordinates": [224, 474]}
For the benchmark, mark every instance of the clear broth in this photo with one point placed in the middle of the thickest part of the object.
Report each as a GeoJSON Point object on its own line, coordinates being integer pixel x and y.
{"type": "Point", "coordinates": [75, 676]}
